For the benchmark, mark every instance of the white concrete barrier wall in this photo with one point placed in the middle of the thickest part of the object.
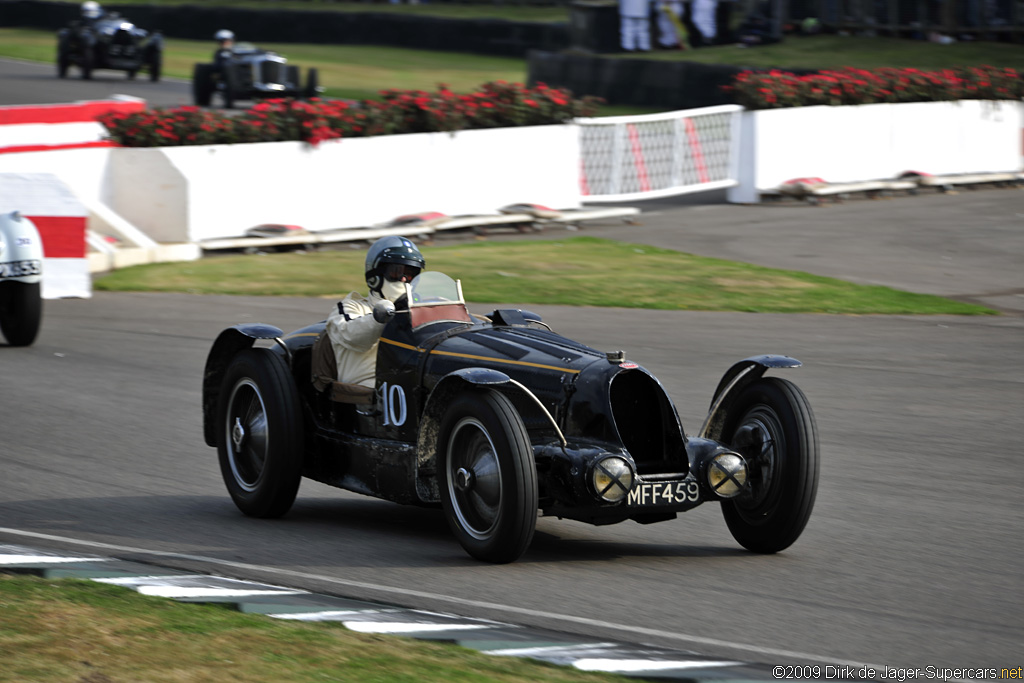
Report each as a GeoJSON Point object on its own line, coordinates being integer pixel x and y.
{"type": "Point", "coordinates": [190, 194]}
{"type": "Point", "coordinates": [875, 141]}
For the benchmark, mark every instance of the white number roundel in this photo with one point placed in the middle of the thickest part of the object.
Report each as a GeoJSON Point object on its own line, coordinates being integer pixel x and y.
{"type": "Point", "coordinates": [393, 406]}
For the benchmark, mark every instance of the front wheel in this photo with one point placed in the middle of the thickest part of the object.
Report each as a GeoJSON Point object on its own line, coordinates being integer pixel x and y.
{"type": "Point", "coordinates": [772, 425]}
{"type": "Point", "coordinates": [202, 84]}
{"type": "Point", "coordinates": [312, 84]}
{"type": "Point", "coordinates": [21, 312]}
{"type": "Point", "coordinates": [259, 434]}
{"type": "Point", "coordinates": [487, 476]}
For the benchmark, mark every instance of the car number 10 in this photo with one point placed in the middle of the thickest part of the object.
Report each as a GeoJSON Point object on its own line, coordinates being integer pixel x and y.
{"type": "Point", "coordinates": [393, 404]}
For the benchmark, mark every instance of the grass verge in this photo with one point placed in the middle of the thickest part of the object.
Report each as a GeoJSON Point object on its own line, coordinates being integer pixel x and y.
{"type": "Point", "coordinates": [347, 71]}
{"type": "Point", "coordinates": [76, 630]}
{"type": "Point", "coordinates": [578, 271]}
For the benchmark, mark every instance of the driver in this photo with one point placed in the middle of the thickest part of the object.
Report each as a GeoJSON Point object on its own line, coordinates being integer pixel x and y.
{"type": "Point", "coordinates": [356, 325]}
{"type": "Point", "coordinates": [225, 45]}
{"type": "Point", "coordinates": [91, 12]}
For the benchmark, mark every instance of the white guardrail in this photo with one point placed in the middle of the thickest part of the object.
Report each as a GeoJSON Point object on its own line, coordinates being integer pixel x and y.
{"type": "Point", "coordinates": [626, 158]}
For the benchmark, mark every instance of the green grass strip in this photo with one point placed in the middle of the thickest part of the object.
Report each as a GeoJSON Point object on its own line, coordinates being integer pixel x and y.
{"type": "Point", "coordinates": [577, 271]}
{"type": "Point", "coordinates": [76, 630]}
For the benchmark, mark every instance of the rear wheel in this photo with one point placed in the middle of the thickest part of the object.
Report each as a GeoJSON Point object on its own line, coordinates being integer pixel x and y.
{"type": "Point", "coordinates": [487, 476]}
{"type": "Point", "coordinates": [62, 64]}
{"type": "Point", "coordinates": [155, 66]}
{"type": "Point", "coordinates": [87, 63]}
{"type": "Point", "coordinates": [772, 425]}
{"type": "Point", "coordinates": [259, 436]}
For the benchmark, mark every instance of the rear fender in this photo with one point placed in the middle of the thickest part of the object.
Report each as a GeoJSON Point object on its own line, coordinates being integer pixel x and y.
{"type": "Point", "coordinates": [526, 403]}
{"type": "Point", "coordinates": [738, 377]}
{"type": "Point", "coordinates": [227, 345]}
{"type": "Point", "coordinates": [21, 249]}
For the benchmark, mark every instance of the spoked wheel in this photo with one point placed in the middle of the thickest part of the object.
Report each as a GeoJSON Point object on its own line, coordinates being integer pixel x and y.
{"type": "Point", "coordinates": [773, 427]}
{"type": "Point", "coordinates": [259, 440]}
{"type": "Point", "coordinates": [488, 477]}
{"type": "Point", "coordinates": [21, 312]}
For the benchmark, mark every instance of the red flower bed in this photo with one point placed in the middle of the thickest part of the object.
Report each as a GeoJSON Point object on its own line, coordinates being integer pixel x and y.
{"type": "Point", "coordinates": [495, 105]}
{"type": "Point", "coordinates": [776, 89]}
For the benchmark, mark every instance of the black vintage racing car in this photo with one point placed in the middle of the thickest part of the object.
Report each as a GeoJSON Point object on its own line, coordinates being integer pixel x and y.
{"type": "Point", "coordinates": [497, 418]}
{"type": "Point", "coordinates": [251, 74]}
{"type": "Point", "coordinates": [110, 42]}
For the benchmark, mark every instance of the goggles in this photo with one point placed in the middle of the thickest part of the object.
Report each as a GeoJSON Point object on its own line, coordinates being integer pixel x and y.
{"type": "Point", "coordinates": [399, 272]}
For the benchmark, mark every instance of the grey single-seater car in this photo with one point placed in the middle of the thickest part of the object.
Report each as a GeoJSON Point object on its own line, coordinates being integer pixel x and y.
{"type": "Point", "coordinates": [251, 74]}
{"type": "Point", "coordinates": [497, 419]}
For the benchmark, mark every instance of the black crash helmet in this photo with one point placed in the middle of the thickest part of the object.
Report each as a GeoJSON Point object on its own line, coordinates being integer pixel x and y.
{"type": "Point", "coordinates": [389, 250]}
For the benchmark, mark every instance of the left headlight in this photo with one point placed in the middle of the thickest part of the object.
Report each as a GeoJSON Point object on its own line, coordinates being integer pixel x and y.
{"type": "Point", "coordinates": [727, 474]}
{"type": "Point", "coordinates": [612, 478]}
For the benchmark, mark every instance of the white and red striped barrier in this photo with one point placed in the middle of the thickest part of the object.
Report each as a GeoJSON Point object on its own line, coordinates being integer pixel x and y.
{"type": "Point", "coordinates": [44, 133]}
{"type": "Point", "coordinates": [37, 128]}
{"type": "Point", "coordinates": [61, 221]}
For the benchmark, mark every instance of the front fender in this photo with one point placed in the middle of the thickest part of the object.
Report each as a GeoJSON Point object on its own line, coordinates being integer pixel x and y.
{"type": "Point", "coordinates": [21, 250]}
{"type": "Point", "coordinates": [225, 347]}
{"type": "Point", "coordinates": [528, 405]}
{"type": "Point", "coordinates": [732, 383]}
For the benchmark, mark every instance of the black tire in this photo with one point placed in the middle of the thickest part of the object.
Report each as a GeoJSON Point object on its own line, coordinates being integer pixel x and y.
{"type": "Point", "coordinates": [293, 78]}
{"type": "Point", "coordinates": [87, 63]}
{"type": "Point", "coordinates": [156, 66]}
{"type": "Point", "coordinates": [230, 86]}
{"type": "Point", "coordinates": [62, 63]}
{"type": "Point", "coordinates": [130, 74]}
{"type": "Point", "coordinates": [21, 312]}
{"type": "Point", "coordinates": [312, 84]}
{"type": "Point", "coordinates": [259, 434]}
{"type": "Point", "coordinates": [782, 459]}
{"type": "Point", "coordinates": [202, 84]}
{"type": "Point", "coordinates": [488, 477]}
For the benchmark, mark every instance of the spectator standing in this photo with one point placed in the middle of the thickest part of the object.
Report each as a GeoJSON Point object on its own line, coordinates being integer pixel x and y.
{"type": "Point", "coordinates": [704, 19]}
{"type": "Point", "coordinates": [668, 34]}
{"type": "Point", "coordinates": [635, 25]}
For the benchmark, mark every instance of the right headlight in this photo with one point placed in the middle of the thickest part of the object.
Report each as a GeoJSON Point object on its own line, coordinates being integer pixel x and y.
{"type": "Point", "coordinates": [612, 478]}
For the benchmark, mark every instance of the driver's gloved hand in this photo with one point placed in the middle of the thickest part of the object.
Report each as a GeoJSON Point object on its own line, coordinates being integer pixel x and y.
{"type": "Point", "coordinates": [383, 311]}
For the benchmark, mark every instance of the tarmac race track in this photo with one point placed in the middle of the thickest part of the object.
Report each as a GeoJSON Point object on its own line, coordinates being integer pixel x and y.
{"type": "Point", "coordinates": [911, 559]}
{"type": "Point", "coordinates": [33, 83]}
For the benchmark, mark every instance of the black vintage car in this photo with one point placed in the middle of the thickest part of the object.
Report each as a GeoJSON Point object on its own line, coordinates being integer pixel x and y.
{"type": "Point", "coordinates": [497, 418]}
{"type": "Point", "coordinates": [251, 74]}
{"type": "Point", "coordinates": [109, 42]}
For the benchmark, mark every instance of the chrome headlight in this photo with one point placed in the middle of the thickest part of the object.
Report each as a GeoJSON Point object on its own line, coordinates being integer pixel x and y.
{"type": "Point", "coordinates": [727, 474]}
{"type": "Point", "coordinates": [612, 478]}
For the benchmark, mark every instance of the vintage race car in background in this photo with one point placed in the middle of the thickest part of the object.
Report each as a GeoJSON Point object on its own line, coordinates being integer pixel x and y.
{"type": "Point", "coordinates": [496, 419]}
{"type": "Point", "coordinates": [251, 74]}
{"type": "Point", "coordinates": [110, 42]}
{"type": "Point", "coordinates": [21, 277]}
